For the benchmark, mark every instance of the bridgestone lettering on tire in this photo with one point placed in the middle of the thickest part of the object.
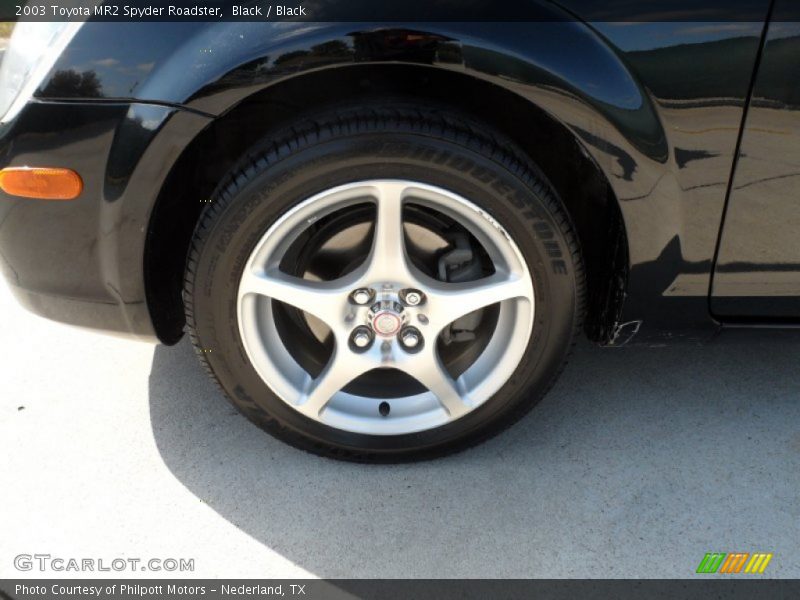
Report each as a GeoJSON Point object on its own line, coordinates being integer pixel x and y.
{"type": "Point", "coordinates": [384, 285]}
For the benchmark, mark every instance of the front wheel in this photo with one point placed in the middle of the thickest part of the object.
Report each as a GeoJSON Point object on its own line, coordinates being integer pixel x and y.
{"type": "Point", "coordinates": [383, 285]}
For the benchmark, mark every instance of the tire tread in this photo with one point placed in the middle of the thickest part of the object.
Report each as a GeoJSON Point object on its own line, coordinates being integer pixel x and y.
{"type": "Point", "coordinates": [436, 122]}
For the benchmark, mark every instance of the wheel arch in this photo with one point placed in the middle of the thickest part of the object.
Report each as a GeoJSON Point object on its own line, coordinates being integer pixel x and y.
{"type": "Point", "coordinates": [552, 145]}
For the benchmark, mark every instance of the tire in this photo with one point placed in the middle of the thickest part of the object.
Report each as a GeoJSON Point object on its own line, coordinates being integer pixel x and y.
{"type": "Point", "coordinates": [462, 165]}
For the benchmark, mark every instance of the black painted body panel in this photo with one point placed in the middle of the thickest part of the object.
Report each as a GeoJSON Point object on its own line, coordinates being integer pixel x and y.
{"type": "Point", "coordinates": [758, 268]}
{"type": "Point", "coordinates": [80, 261]}
{"type": "Point", "coordinates": [657, 105]}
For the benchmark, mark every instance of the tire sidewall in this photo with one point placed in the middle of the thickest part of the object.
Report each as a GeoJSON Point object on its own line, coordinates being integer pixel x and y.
{"type": "Point", "coordinates": [513, 195]}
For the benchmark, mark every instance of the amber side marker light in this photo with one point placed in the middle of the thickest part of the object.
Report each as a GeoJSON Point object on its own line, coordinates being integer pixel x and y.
{"type": "Point", "coordinates": [42, 183]}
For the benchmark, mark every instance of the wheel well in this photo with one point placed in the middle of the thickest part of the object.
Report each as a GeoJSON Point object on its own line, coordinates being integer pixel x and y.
{"type": "Point", "coordinates": [579, 182]}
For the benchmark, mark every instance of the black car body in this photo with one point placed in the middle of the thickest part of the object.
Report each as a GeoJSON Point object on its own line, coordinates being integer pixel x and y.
{"type": "Point", "coordinates": [672, 141]}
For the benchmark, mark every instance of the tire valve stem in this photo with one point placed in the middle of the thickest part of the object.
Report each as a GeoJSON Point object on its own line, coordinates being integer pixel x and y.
{"type": "Point", "coordinates": [384, 409]}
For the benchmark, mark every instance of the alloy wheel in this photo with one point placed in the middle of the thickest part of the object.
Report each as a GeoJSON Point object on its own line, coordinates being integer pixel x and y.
{"type": "Point", "coordinates": [384, 313]}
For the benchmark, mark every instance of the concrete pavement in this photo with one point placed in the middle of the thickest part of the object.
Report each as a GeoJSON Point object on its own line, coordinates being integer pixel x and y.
{"type": "Point", "coordinates": [636, 464]}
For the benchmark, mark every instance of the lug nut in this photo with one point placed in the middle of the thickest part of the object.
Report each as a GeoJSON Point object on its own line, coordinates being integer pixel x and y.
{"type": "Point", "coordinates": [361, 338]}
{"type": "Point", "coordinates": [413, 297]}
{"type": "Point", "coordinates": [411, 338]}
{"type": "Point", "coordinates": [361, 296]}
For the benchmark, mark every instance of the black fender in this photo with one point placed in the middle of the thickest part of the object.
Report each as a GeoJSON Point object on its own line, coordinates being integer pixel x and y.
{"type": "Point", "coordinates": [562, 66]}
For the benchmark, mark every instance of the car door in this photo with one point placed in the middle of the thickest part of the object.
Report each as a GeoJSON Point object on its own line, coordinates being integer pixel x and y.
{"type": "Point", "coordinates": [757, 273]}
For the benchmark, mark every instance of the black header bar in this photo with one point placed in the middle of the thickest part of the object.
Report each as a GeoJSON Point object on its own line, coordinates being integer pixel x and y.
{"type": "Point", "coordinates": [393, 10]}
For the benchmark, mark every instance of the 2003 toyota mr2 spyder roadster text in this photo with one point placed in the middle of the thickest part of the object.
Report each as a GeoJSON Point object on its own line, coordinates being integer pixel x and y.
{"type": "Point", "coordinates": [384, 237]}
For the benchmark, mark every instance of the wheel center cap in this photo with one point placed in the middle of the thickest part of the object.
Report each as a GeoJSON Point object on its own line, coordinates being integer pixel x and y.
{"type": "Point", "coordinates": [386, 323]}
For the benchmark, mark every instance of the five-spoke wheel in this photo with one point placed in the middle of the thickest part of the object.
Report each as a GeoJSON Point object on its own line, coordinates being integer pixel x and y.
{"type": "Point", "coordinates": [384, 283]}
{"type": "Point", "coordinates": [386, 313]}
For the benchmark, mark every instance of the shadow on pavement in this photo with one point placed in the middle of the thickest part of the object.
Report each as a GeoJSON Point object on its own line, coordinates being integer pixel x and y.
{"type": "Point", "coordinates": [681, 451]}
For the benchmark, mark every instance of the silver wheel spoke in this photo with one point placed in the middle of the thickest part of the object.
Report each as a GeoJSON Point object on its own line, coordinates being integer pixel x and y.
{"type": "Point", "coordinates": [387, 259]}
{"type": "Point", "coordinates": [315, 297]}
{"type": "Point", "coordinates": [451, 301]}
{"type": "Point", "coordinates": [340, 370]}
{"type": "Point", "coordinates": [430, 372]}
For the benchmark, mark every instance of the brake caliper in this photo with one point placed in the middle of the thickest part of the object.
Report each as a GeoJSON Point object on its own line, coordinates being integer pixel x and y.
{"type": "Point", "coordinates": [459, 262]}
